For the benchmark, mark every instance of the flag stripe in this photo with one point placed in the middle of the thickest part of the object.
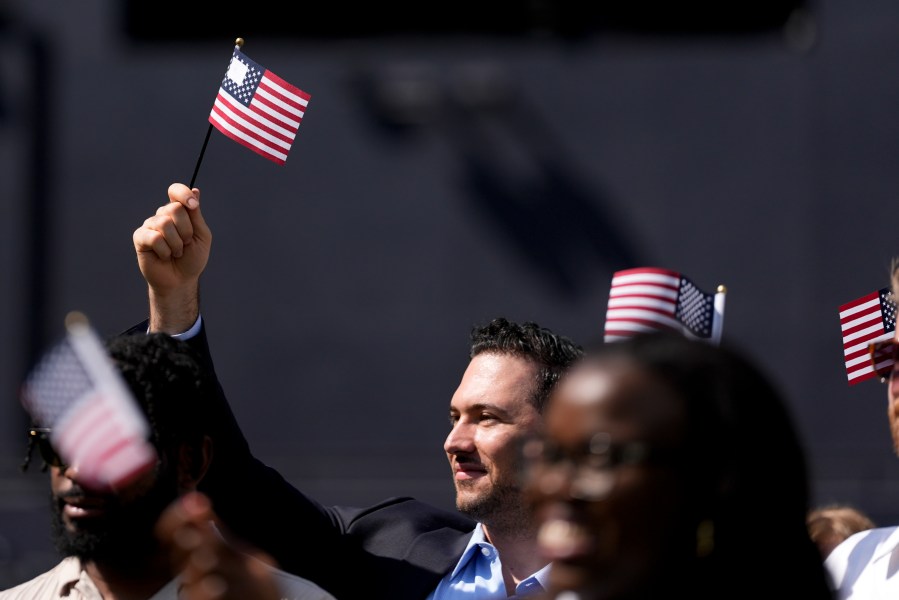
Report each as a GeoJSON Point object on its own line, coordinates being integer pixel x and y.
{"type": "Point", "coordinates": [241, 130]}
{"type": "Point", "coordinates": [252, 122]}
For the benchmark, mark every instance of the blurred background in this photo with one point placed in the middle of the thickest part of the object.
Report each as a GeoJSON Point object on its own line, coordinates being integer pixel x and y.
{"type": "Point", "coordinates": [455, 164]}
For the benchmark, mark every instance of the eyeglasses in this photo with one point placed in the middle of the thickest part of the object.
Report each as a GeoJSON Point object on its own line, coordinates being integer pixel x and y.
{"type": "Point", "coordinates": [40, 436]}
{"type": "Point", "coordinates": [883, 357]}
{"type": "Point", "coordinates": [591, 474]}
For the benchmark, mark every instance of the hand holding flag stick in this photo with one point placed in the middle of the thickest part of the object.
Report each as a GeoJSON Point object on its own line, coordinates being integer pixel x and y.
{"type": "Point", "coordinates": [255, 108]}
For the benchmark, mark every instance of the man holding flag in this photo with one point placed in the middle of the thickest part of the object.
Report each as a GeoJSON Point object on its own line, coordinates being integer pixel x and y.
{"type": "Point", "coordinates": [400, 548]}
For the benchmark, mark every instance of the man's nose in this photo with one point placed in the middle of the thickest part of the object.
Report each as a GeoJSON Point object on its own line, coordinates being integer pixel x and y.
{"type": "Point", "coordinates": [460, 439]}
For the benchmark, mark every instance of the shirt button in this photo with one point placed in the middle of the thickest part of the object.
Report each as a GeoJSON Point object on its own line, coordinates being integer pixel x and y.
{"type": "Point", "coordinates": [485, 551]}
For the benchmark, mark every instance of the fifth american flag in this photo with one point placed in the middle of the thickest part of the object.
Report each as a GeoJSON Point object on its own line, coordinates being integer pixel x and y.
{"type": "Point", "coordinates": [258, 109]}
{"type": "Point", "coordinates": [871, 318]}
{"type": "Point", "coordinates": [649, 298]}
{"type": "Point", "coordinates": [96, 425]}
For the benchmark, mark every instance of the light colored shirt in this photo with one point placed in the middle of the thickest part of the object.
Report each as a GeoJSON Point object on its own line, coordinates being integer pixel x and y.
{"type": "Point", "coordinates": [479, 574]}
{"type": "Point", "coordinates": [866, 565]}
{"type": "Point", "coordinates": [69, 580]}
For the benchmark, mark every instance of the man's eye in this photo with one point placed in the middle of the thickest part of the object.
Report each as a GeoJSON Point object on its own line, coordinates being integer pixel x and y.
{"type": "Point", "coordinates": [453, 419]}
{"type": "Point", "coordinates": [488, 417]}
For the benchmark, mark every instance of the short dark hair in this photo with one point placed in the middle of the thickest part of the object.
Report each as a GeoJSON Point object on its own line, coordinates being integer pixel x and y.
{"type": "Point", "coordinates": [552, 353]}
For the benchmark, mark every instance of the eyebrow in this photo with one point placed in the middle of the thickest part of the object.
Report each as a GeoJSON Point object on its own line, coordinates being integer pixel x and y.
{"type": "Point", "coordinates": [488, 406]}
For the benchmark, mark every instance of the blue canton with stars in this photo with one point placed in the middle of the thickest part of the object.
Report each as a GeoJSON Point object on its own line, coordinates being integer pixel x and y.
{"type": "Point", "coordinates": [887, 310]}
{"type": "Point", "coordinates": [55, 383]}
{"type": "Point", "coordinates": [695, 309]}
{"type": "Point", "coordinates": [243, 93]}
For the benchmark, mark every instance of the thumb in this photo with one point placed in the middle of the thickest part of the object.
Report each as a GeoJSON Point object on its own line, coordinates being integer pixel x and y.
{"type": "Point", "coordinates": [202, 233]}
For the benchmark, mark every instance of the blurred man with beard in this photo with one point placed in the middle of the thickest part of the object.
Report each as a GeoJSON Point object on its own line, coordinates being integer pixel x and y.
{"type": "Point", "coordinates": [108, 538]}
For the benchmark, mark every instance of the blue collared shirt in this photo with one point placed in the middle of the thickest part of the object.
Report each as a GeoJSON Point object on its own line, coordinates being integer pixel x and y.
{"type": "Point", "coordinates": [479, 574]}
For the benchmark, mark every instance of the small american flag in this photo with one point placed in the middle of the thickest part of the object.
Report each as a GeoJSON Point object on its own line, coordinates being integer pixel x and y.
{"type": "Point", "coordinates": [649, 298]}
{"type": "Point", "coordinates": [258, 109]}
{"type": "Point", "coordinates": [871, 318]}
{"type": "Point", "coordinates": [96, 425]}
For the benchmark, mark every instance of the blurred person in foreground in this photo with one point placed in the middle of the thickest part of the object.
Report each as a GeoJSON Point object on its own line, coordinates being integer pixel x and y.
{"type": "Point", "coordinates": [865, 564]}
{"type": "Point", "coordinates": [400, 548]}
{"type": "Point", "coordinates": [670, 468]}
{"type": "Point", "coordinates": [831, 524]}
{"type": "Point", "coordinates": [109, 538]}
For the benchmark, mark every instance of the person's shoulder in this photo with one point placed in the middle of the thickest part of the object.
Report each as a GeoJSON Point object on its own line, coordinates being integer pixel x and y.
{"type": "Point", "coordinates": [869, 542]}
{"type": "Point", "coordinates": [851, 566]}
{"type": "Point", "coordinates": [294, 587]}
{"type": "Point", "coordinates": [47, 584]}
{"type": "Point", "coordinates": [409, 510]}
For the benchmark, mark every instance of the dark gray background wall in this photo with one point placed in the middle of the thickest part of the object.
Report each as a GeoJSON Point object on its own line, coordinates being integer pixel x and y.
{"type": "Point", "coordinates": [437, 182]}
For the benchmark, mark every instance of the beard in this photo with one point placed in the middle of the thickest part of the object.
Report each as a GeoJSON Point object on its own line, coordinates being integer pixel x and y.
{"type": "Point", "coordinates": [501, 507]}
{"type": "Point", "coordinates": [122, 535]}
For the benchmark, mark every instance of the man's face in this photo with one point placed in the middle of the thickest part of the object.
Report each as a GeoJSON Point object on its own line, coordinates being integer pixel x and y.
{"type": "Point", "coordinates": [893, 384]}
{"type": "Point", "coordinates": [491, 415]}
{"type": "Point", "coordinates": [893, 401]}
{"type": "Point", "coordinates": [106, 525]}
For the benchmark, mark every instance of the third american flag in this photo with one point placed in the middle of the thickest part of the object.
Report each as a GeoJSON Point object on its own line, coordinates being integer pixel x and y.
{"type": "Point", "coordinates": [871, 318]}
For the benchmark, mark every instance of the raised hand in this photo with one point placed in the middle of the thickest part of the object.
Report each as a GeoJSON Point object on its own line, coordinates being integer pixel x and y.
{"type": "Point", "coordinates": [172, 250]}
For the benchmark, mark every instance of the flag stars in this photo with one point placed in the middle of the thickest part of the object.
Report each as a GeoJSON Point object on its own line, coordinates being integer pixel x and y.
{"type": "Point", "coordinates": [888, 310]}
{"type": "Point", "coordinates": [694, 308]}
{"type": "Point", "coordinates": [243, 93]}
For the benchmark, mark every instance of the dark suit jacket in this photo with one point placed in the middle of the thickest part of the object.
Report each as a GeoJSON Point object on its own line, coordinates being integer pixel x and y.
{"type": "Point", "coordinates": [397, 549]}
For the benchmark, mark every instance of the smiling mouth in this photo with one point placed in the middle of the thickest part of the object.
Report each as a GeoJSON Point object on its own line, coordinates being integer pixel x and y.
{"type": "Point", "coordinates": [468, 470]}
{"type": "Point", "coordinates": [82, 508]}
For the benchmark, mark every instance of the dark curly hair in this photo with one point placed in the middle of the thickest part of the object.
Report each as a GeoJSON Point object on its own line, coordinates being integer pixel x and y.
{"type": "Point", "coordinates": [552, 353]}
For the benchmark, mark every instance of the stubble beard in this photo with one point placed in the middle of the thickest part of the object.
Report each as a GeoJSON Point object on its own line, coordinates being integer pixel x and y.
{"type": "Point", "coordinates": [501, 507]}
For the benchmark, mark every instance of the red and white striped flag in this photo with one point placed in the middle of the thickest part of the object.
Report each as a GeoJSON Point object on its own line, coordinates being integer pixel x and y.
{"type": "Point", "coordinates": [871, 318]}
{"type": "Point", "coordinates": [258, 109]}
{"type": "Point", "coordinates": [648, 298]}
{"type": "Point", "coordinates": [96, 424]}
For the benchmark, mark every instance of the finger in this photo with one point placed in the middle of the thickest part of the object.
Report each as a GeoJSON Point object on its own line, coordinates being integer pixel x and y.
{"type": "Point", "coordinates": [159, 235]}
{"type": "Point", "coordinates": [190, 198]}
{"type": "Point", "coordinates": [189, 513]}
{"type": "Point", "coordinates": [201, 229]}
{"type": "Point", "coordinates": [178, 192]}
{"type": "Point", "coordinates": [180, 219]}
{"type": "Point", "coordinates": [147, 240]}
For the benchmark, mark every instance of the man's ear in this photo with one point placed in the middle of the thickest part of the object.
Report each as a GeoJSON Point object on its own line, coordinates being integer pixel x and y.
{"type": "Point", "coordinates": [193, 464]}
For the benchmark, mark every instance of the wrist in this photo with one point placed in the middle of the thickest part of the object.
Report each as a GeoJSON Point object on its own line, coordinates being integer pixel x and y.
{"type": "Point", "coordinates": [174, 311]}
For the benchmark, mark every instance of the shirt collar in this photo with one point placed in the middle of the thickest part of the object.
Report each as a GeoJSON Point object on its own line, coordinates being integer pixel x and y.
{"type": "Point", "coordinates": [68, 575]}
{"type": "Point", "coordinates": [889, 546]}
{"type": "Point", "coordinates": [477, 541]}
